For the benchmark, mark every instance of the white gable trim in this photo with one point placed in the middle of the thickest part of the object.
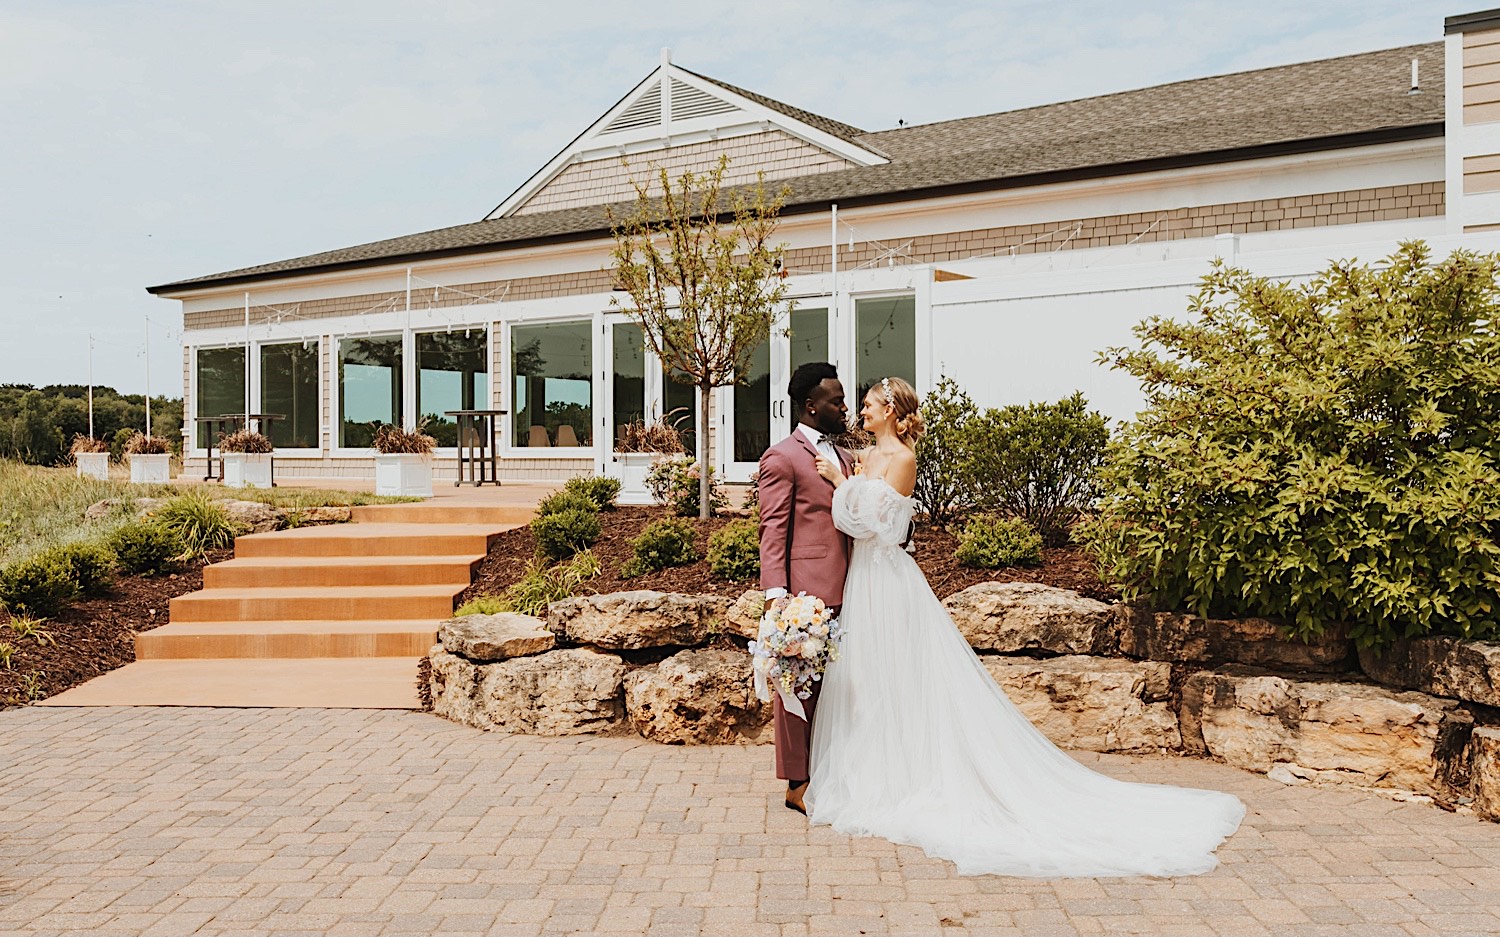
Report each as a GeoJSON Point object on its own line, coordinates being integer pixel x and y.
{"type": "Point", "coordinates": [684, 109]}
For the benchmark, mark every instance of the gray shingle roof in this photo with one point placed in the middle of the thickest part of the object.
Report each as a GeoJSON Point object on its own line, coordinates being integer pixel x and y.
{"type": "Point", "coordinates": [1294, 108]}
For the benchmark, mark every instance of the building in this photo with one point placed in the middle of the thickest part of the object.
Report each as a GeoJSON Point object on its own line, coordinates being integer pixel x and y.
{"type": "Point", "coordinates": [1004, 250]}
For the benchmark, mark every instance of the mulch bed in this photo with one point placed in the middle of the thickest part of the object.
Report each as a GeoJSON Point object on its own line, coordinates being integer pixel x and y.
{"type": "Point", "coordinates": [94, 636]}
{"type": "Point", "coordinates": [1063, 567]}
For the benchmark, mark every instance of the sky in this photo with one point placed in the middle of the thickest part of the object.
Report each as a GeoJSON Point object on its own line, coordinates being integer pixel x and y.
{"type": "Point", "coordinates": [150, 142]}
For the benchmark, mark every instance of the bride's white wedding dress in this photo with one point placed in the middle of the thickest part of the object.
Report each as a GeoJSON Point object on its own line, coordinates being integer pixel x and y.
{"type": "Point", "coordinates": [915, 743]}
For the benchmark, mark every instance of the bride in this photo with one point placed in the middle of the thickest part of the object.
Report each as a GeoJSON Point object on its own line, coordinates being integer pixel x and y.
{"type": "Point", "coordinates": [914, 742]}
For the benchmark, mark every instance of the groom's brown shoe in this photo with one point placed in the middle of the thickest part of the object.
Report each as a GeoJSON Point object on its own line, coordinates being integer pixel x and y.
{"type": "Point", "coordinates": [794, 797]}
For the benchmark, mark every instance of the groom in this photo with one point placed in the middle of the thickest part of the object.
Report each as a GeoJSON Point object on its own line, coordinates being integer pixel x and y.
{"type": "Point", "coordinates": [800, 549]}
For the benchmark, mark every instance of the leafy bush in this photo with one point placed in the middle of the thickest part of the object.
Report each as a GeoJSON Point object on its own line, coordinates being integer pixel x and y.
{"type": "Point", "coordinates": [564, 533]}
{"type": "Point", "coordinates": [567, 499]}
{"type": "Point", "coordinates": [660, 545]}
{"type": "Point", "coordinates": [483, 605]}
{"type": "Point", "coordinates": [38, 585]}
{"type": "Point", "coordinates": [734, 550]}
{"type": "Point", "coordinates": [144, 548]}
{"type": "Point", "coordinates": [1320, 453]}
{"type": "Point", "coordinates": [946, 488]}
{"type": "Point", "coordinates": [599, 489]}
{"type": "Point", "coordinates": [674, 482]}
{"type": "Point", "coordinates": [1039, 462]}
{"type": "Point", "coordinates": [989, 542]}
{"type": "Point", "coordinates": [540, 587]}
{"type": "Point", "coordinates": [199, 522]}
{"type": "Point", "coordinates": [90, 564]}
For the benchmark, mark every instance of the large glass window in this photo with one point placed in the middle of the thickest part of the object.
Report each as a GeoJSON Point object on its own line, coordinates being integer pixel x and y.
{"type": "Point", "coordinates": [553, 402]}
{"type": "Point", "coordinates": [808, 336]}
{"type": "Point", "coordinates": [221, 385]}
{"type": "Point", "coordinates": [681, 404]}
{"type": "Point", "coordinates": [752, 408]}
{"type": "Point", "coordinates": [289, 388]}
{"type": "Point", "coordinates": [628, 361]}
{"type": "Point", "coordinates": [885, 341]}
{"type": "Point", "coordinates": [369, 387]}
{"type": "Point", "coordinates": [452, 374]}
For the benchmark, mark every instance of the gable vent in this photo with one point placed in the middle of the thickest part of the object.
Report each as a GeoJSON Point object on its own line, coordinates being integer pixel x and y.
{"type": "Point", "coordinates": [689, 102]}
{"type": "Point", "coordinates": [645, 112]}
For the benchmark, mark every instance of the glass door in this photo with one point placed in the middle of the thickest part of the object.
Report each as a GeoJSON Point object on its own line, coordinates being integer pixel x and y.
{"type": "Point", "coordinates": [637, 389]}
{"type": "Point", "coordinates": [756, 414]}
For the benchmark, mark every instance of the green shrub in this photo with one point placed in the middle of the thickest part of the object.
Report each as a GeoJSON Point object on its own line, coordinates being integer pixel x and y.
{"type": "Point", "coordinates": [566, 499]}
{"type": "Point", "coordinates": [674, 483]}
{"type": "Point", "coordinates": [1039, 462]}
{"type": "Point", "coordinates": [540, 587]}
{"type": "Point", "coordinates": [988, 542]}
{"type": "Point", "coordinates": [483, 605]}
{"type": "Point", "coordinates": [144, 548]}
{"type": "Point", "coordinates": [91, 565]}
{"type": "Point", "coordinates": [660, 545]}
{"type": "Point", "coordinates": [1322, 453]}
{"type": "Point", "coordinates": [946, 488]}
{"type": "Point", "coordinates": [200, 523]}
{"type": "Point", "coordinates": [38, 585]}
{"type": "Point", "coordinates": [562, 534]}
{"type": "Point", "coordinates": [734, 551]}
{"type": "Point", "coordinates": [601, 490]}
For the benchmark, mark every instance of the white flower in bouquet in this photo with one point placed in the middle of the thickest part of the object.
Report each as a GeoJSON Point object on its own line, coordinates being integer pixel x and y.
{"type": "Point", "coordinates": [811, 648]}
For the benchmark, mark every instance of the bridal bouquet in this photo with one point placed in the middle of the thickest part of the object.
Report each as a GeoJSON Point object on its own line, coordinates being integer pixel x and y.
{"type": "Point", "coordinates": [795, 646]}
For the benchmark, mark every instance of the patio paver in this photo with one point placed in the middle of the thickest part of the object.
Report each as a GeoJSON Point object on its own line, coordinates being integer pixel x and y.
{"type": "Point", "coordinates": [181, 821]}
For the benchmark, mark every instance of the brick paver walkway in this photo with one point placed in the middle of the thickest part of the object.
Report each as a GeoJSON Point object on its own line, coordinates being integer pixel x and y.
{"type": "Point", "coordinates": [179, 821]}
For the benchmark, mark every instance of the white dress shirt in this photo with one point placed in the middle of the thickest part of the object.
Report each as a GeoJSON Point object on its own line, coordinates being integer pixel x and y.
{"type": "Point", "coordinates": [827, 450]}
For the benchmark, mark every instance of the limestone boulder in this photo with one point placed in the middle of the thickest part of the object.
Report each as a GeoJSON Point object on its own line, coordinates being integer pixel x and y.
{"type": "Point", "coordinates": [101, 509]}
{"type": "Point", "coordinates": [628, 621]}
{"type": "Point", "coordinates": [1092, 703]}
{"type": "Point", "coordinates": [743, 616]}
{"type": "Point", "coordinates": [486, 638]}
{"type": "Point", "coordinates": [1028, 616]}
{"type": "Point", "coordinates": [699, 697]}
{"type": "Point", "coordinates": [1329, 731]}
{"type": "Point", "coordinates": [330, 514]}
{"type": "Point", "coordinates": [1176, 636]}
{"type": "Point", "coordinates": [252, 516]}
{"type": "Point", "coordinates": [1484, 768]}
{"type": "Point", "coordinates": [569, 692]}
{"type": "Point", "coordinates": [1440, 665]}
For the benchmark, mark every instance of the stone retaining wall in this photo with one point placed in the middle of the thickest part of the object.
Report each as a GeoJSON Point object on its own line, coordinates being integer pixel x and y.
{"type": "Point", "coordinates": [1092, 676]}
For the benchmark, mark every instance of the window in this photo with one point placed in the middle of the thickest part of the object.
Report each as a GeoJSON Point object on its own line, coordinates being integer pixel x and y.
{"type": "Point", "coordinates": [752, 408]}
{"type": "Point", "coordinates": [452, 374]}
{"type": "Point", "coordinates": [221, 385]}
{"type": "Point", "coordinates": [289, 387]}
{"type": "Point", "coordinates": [628, 361]}
{"type": "Point", "coordinates": [809, 336]}
{"type": "Point", "coordinates": [885, 341]}
{"type": "Point", "coordinates": [369, 387]}
{"type": "Point", "coordinates": [553, 402]}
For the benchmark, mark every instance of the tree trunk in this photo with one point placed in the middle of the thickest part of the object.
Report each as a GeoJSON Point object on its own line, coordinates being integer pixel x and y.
{"type": "Point", "coordinates": [704, 451]}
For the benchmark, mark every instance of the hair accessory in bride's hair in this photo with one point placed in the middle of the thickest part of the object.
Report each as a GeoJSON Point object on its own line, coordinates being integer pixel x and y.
{"type": "Point", "coordinates": [885, 387]}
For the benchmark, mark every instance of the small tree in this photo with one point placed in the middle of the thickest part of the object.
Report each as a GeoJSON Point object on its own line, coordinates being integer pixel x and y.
{"type": "Point", "coordinates": [704, 283]}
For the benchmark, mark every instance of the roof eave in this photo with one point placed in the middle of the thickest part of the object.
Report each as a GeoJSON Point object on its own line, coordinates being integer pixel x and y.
{"type": "Point", "coordinates": [1237, 154]}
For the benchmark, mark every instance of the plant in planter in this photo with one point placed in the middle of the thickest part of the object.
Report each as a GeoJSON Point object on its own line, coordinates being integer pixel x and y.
{"type": "Point", "coordinates": [403, 462]}
{"type": "Point", "coordinates": [247, 459]}
{"type": "Point", "coordinates": [150, 459]}
{"type": "Point", "coordinates": [639, 445]}
{"type": "Point", "coordinates": [92, 456]}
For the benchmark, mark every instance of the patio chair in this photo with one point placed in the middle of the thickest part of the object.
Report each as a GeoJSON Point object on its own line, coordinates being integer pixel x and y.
{"type": "Point", "coordinates": [566, 436]}
{"type": "Point", "coordinates": [538, 437]}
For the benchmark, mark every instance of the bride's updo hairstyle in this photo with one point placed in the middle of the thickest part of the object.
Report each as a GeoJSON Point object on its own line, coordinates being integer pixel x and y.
{"type": "Point", "coordinates": [906, 409]}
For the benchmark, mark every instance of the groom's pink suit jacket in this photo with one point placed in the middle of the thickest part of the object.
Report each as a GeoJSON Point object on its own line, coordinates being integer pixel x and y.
{"type": "Point", "coordinates": [800, 549]}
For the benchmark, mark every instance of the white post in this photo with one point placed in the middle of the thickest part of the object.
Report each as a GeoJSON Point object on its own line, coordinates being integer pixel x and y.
{"type": "Point", "coordinates": [834, 301]}
{"type": "Point", "coordinates": [247, 361]}
{"type": "Point", "coordinates": [148, 375]}
{"type": "Point", "coordinates": [91, 385]}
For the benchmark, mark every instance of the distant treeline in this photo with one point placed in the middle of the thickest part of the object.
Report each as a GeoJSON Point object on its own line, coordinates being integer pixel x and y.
{"type": "Point", "coordinates": [37, 424]}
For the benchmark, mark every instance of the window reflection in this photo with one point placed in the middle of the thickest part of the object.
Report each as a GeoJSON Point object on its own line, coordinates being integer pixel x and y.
{"type": "Point", "coordinates": [885, 340]}
{"type": "Point", "coordinates": [369, 387]}
{"type": "Point", "coordinates": [629, 374]}
{"type": "Point", "coordinates": [553, 399]}
{"type": "Point", "coordinates": [289, 387]}
{"type": "Point", "coordinates": [221, 385]}
{"type": "Point", "coordinates": [452, 374]}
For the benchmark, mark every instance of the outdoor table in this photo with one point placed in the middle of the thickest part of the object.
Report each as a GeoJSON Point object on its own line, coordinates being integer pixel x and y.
{"type": "Point", "coordinates": [478, 460]}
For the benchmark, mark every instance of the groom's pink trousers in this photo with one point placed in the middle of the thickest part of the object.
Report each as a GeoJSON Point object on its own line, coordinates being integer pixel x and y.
{"type": "Point", "coordinates": [800, 551]}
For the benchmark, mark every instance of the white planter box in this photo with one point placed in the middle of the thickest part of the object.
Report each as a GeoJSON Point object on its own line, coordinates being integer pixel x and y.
{"type": "Point", "coordinates": [150, 469]}
{"type": "Point", "coordinates": [403, 474]}
{"type": "Point", "coordinates": [631, 468]}
{"type": "Point", "coordinates": [93, 465]}
{"type": "Point", "coordinates": [247, 470]}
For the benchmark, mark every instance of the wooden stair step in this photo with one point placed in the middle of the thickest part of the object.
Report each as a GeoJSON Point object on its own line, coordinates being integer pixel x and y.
{"type": "Point", "coordinates": [371, 540]}
{"type": "Point", "coordinates": [286, 639]}
{"type": "Point", "coordinates": [248, 572]}
{"type": "Point", "coordinates": [329, 683]}
{"type": "Point", "coordinates": [346, 603]}
{"type": "Point", "coordinates": [502, 516]}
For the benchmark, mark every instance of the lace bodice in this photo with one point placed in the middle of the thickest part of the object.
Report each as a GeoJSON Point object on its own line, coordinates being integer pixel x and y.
{"type": "Point", "coordinates": [867, 508]}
